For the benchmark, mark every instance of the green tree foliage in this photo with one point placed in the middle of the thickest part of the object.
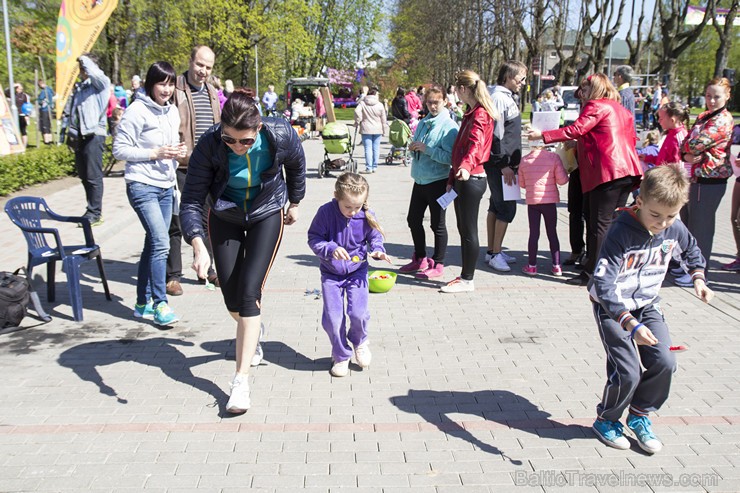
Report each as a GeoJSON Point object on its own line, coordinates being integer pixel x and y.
{"type": "Point", "coordinates": [290, 37]}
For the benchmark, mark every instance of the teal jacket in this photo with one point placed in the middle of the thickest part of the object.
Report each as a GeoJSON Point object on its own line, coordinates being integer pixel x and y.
{"type": "Point", "coordinates": [438, 133]}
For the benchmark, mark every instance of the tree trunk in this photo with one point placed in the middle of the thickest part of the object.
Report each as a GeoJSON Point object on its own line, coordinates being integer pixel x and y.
{"type": "Point", "coordinates": [725, 34]}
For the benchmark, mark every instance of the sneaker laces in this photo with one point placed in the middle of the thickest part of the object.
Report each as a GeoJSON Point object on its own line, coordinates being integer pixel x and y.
{"type": "Point", "coordinates": [613, 427]}
{"type": "Point", "coordinates": [456, 280]}
{"type": "Point", "coordinates": [642, 426]}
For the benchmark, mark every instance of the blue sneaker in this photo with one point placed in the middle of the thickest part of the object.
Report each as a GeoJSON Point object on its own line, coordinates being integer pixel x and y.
{"type": "Point", "coordinates": [163, 315]}
{"type": "Point", "coordinates": [611, 433]}
{"type": "Point", "coordinates": [144, 311]}
{"type": "Point", "coordinates": [643, 429]}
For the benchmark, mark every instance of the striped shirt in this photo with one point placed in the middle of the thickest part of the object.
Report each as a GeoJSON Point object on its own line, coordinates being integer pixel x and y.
{"type": "Point", "coordinates": [203, 110]}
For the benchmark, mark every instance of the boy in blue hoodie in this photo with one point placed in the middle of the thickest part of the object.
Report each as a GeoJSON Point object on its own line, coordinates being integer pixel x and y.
{"type": "Point", "coordinates": [624, 289]}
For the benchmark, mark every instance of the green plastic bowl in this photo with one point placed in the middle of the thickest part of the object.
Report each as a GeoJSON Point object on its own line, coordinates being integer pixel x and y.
{"type": "Point", "coordinates": [378, 285]}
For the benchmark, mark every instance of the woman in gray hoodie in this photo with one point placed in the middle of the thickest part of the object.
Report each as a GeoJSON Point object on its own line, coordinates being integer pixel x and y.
{"type": "Point", "coordinates": [148, 140]}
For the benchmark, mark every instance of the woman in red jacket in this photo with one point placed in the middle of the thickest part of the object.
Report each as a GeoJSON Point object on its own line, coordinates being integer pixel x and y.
{"type": "Point", "coordinates": [610, 168]}
{"type": "Point", "coordinates": [471, 150]}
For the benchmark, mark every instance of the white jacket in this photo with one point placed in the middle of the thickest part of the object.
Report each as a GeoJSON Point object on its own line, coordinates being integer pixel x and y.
{"type": "Point", "coordinates": [145, 126]}
{"type": "Point", "coordinates": [370, 116]}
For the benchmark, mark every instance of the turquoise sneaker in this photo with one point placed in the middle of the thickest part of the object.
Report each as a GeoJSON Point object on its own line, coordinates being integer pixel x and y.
{"type": "Point", "coordinates": [611, 433]}
{"type": "Point", "coordinates": [643, 429]}
{"type": "Point", "coordinates": [144, 311]}
{"type": "Point", "coordinates": [163, 315]}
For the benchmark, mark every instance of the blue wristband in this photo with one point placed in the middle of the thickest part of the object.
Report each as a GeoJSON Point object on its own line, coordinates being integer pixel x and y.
{"type": "Point", "coordinates": [632, 334]}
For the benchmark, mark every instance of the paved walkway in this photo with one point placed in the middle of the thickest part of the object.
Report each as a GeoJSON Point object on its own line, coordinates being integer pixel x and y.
{"type": "Point", "coordinates": [481, 392]}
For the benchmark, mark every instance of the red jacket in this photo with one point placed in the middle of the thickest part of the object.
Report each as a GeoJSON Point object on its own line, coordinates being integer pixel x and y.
{"type": "Point", "coordinates": [606, 132]}
{"type": "Point", "coordinates": [472, 146]}
{"type": "Point", "coordinates": [670, 151]}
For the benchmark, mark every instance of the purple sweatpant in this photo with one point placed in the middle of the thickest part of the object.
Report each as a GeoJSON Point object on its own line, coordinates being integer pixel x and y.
{"type": "Point", "coordinates": [550, 213]}
{"type": "Point", "coordinates": [333, 290]}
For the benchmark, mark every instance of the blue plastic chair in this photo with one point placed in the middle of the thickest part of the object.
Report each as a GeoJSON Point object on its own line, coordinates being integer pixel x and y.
{"type": "Point", "coordinates": [27, 213]}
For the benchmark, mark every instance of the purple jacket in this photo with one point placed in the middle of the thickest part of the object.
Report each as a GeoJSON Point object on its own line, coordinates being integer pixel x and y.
{"type": "Point", "coordinates": [330, 230]}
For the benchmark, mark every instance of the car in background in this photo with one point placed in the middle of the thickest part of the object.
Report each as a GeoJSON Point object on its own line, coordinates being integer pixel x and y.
{"type": "Point", "coordinates": [303, 87]}
{"type": "Point", "coordinates": [571, 104]}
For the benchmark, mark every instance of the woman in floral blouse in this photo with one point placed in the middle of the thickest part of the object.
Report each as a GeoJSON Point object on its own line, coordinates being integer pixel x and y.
{"type": "Point", "coordinates": [706, 153]}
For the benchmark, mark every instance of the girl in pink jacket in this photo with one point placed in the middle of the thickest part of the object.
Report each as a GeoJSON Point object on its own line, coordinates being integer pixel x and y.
{"type": "Point", "coordinates": [674, 119]}
{"type": "Point", "coordinates": [540, 173]}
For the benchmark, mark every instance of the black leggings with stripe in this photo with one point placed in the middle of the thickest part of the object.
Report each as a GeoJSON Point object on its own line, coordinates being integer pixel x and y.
{"type": "Point", "coordinates": [244, 254]}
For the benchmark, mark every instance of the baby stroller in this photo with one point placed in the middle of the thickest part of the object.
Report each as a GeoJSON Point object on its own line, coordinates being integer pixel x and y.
{"type": "Point", "coordinates": [337, 141]}
{"type": "Point", "coordinates": [399, 136]}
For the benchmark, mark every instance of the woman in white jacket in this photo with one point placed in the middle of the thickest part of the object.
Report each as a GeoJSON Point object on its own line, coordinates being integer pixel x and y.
{"type": "Point", "coordinates": [370, 116]}
{"type": "Point", "coordinates": [148, 140]}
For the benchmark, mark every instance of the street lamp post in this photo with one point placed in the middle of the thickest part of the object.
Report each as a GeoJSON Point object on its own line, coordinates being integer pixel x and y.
{"type": "Point", "coordinates": [11, 88]}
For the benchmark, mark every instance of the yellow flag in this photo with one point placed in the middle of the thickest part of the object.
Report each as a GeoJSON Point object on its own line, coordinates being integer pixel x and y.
{"type": "Point", "coordinates": [79, 25]}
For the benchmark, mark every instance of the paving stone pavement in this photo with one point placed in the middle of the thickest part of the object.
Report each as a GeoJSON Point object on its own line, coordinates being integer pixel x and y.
{"type": "Point", "coordinates": [480, 392]}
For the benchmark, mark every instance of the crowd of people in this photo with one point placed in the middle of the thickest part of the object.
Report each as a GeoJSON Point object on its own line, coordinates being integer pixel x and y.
{"type": "Point", "coordinates": [206, 166]}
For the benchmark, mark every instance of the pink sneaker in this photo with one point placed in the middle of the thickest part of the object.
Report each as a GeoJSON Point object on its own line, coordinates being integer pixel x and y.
{"type": "Point", "coordinates": [530, 270]}
{"type": "Point", "coordinates": [434, 270]}
{"type": "Point", "coordinates": [416, 264]}
{"type": "Point", "coordinates": [557, 270]}
{"type": "Point", "coordinates": [732, 266]}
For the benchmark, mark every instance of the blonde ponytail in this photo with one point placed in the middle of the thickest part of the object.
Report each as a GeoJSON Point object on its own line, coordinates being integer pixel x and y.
{"type": "Point", "coordinates": [473, 82]}
{"type": "Point", "coordinates": [356, 185]}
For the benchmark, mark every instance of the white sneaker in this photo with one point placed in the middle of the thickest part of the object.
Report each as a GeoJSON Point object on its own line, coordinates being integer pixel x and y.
{"type": "Point", "coordinates": [684, 281]}
{"type": "Point", "coordinates": [458, 285]}
{"type": "Point", "coordinates": [258, 353]}
{"type": "Point", "coordinates": [509, 259]}
{"type": "Point", "coordinates": [363, 356]}
{"type": "Point", "coordinates": [498, 263]}
{"type": "Point", "coordinates": [340, 368]}
{"type": "Point", "coordinates": [239, 401]}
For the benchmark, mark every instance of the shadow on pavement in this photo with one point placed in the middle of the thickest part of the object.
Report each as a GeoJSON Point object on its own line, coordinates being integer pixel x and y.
{"type": "Point", "coordinates": [159, 352]}
{"type": "Point", "coordinates": [281, 354]}
{"type": "Point", "coordinates": [499, 406]}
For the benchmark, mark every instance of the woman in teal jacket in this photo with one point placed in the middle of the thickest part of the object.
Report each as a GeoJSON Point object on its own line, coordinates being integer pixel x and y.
{"type": "Point", "coordinates": [432, 156]}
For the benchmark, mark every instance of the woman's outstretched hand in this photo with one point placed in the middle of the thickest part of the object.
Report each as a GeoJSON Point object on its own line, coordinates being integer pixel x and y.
{"type": "Point", "coordinates": [201, 259]}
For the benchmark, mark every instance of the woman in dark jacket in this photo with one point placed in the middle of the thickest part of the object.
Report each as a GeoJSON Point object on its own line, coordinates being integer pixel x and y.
{"type": "Point", "coordinates": [248, 168]}
{"type": "Point", "coordinates": [608, 162]}
{"type": "Point", "coordinates": [399, 107]}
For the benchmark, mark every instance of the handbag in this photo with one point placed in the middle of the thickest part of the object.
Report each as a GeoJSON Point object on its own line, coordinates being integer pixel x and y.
{"type": "Point", "coordinates": [16, 292]}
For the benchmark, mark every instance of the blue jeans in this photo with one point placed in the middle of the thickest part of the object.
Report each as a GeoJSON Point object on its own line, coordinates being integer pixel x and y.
{"type": "Point", "coordinates": [153, 205]}
{"type": "Point", "coordinates": [372, 150]}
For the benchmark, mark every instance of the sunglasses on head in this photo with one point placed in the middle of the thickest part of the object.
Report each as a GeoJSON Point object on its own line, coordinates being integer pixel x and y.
{"type": "Point", "coordinates": [231, 140]}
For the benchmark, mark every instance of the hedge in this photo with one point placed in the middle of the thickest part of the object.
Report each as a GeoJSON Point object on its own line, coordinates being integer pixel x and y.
{"type": "Point", "coordinates": [40, 165]}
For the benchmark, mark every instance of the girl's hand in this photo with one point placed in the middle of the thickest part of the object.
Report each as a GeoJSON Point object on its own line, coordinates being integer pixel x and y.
{"type": "Point", "coordinates": [340, 254]}
{"type": "Point", "coordinates": [691, 159]}
{"type": "Point", "coordinates": [381, 256]}
{"type": "Point", "coordinates": [702, 291]}
{"type": "Point", "coordinates": [534, 135]}
{"type": "Point", "coordinates": [644, 337]}
{"type": "Point", "coordinates": [418, 146]}
{"type": "Point", "coordinates": [291, 215]}
{"type": "Point", "coordinates": [462, 174]}
{"type": "Point", "coordinates": [165, 152]}
{"type": "Point", "coordinates": [201, 259]}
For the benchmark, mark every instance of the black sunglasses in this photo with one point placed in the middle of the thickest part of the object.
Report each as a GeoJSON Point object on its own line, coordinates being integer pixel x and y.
{"type": "Point", "coordinates": [231, 140]}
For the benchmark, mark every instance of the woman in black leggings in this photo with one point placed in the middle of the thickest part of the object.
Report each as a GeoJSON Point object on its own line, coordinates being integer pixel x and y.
{"type": "Point", "coordinates": [248, 168]}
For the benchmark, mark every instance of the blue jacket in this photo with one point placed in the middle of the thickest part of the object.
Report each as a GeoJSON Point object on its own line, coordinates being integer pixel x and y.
{"type": "Point", "coordinates": [90, 102]}
{"type": "Point", "coordinates": [633, 263]}
{"type": "Point", "coordinates": [208, 175]}
{"type": "Point", "coordinates": [330, 230]}
{"type": "Point", "coordinates": [438, 133]}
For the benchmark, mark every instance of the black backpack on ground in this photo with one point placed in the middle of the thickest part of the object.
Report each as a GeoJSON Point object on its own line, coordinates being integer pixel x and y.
{"type": "Point", "coordinates": [16, 293]}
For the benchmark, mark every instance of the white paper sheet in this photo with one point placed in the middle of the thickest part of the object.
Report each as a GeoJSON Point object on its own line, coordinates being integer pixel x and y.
{"type": "Point", "coordinates": [544, 120]}
{"type": "Point", "coordinates": [446, 199]}
{"type": "Point", "coordinates": [511, 192]}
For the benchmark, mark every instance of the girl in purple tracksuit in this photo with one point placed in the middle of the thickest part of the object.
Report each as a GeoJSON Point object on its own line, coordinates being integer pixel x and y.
{"type": "Point", "coordinates": [339, 235]}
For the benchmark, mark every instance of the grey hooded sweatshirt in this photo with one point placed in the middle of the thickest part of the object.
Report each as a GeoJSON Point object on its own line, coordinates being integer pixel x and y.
{"type": "Point", "coordinates": [145, 126]}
